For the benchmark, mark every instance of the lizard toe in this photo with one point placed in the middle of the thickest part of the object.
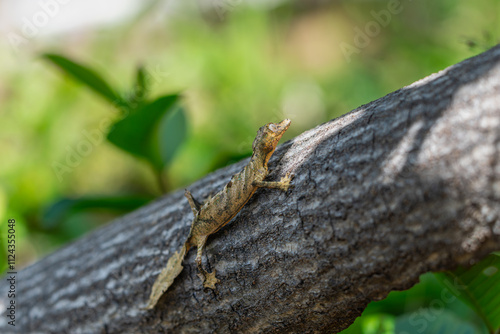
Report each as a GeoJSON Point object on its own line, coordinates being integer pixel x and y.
{"type": "Point", "coordinates": [210, 280]}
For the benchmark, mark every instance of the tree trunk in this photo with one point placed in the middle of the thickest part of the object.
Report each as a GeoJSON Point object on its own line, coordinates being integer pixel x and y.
{"type": "Point", "coordinates": [406, 184]}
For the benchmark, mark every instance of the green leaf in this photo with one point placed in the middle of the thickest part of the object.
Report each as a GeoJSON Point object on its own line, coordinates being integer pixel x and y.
{"type": "Point", "coordinates": [86, 76]}
{"type": "Point", "coordinates": [378, 323]}
{"type": "Point", "coordinates": [135, 99]}
{"type": "Point", "coordinates": [433, 321]}
{"type": "Point", "coordinates": [140, 88]}
{"type": "Point", "coordinates": [63, 208]}
{"type": "Point", "coordinates": [171, 134]}
{"type": "Point", "coordinates": [479, 287]}
{"type": "Point", "coordinates": [138, 132]}
{"type": "Point", "coordinates": [355, 327]}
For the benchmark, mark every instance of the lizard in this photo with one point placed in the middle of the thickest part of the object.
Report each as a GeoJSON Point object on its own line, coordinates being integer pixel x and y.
{"type": "Point", "coordinates": [221, 208]}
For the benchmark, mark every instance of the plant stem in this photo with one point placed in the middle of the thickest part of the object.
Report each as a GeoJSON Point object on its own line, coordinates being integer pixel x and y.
{"type": "Point", "coordinates": [161, 182]}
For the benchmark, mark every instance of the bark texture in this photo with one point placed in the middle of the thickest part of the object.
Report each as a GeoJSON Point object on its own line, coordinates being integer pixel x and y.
{"type": "Point", "coordinates": [406, 184]}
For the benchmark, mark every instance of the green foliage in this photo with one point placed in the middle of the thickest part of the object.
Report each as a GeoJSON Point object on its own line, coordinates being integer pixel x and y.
{"type": "Point", "coordinates": [153, 132]}
{"type": "Point", "coordinates": [374, 323]}
{"type": "Point", "coordinates": [479, 287]}
{"type": "Point", "coordinates": [150, 130]}
{"type": "Point", "coordinates": [445, 322]}
{"type": "Point", "coordinates": [460, 301]}
{"type": "Point", "coordinates": [84, 75]}
{"type": "Point", "coordinates": [140, 88]}
{"type": "Point", "coordinates": [57, 212]}
{"type": "Point", "coordinates": [171, 134]}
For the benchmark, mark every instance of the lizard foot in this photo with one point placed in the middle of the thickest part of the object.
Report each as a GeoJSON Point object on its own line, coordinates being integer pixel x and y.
{"type": "Point", "coordinates": [209, 280]}
{"type": "Point", "coordinates": [285, 181]}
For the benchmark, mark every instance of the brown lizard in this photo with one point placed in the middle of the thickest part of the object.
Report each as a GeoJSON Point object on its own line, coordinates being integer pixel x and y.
{"type": "Point", "coordinates": [218, 210]}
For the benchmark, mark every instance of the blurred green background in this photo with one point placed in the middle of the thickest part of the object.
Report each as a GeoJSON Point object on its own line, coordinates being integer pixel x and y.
{"type": "Point", "coordinates": [236, 66]}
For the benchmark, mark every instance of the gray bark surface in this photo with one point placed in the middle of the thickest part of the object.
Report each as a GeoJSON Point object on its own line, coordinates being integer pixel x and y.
{"type": "Point", "coordinates": [406, 184]}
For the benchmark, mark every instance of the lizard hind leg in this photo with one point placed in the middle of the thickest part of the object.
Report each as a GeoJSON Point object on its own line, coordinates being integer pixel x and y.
{"type": "Point", "coordinates": [209, 279]}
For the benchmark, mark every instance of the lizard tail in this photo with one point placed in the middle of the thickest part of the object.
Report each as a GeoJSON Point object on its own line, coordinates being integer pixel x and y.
{"type": "Point", "coordinates": [167, 276]}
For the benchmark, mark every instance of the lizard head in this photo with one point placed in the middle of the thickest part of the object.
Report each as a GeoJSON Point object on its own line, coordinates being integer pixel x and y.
{"type": "Point", "coordinates": [268, 137]}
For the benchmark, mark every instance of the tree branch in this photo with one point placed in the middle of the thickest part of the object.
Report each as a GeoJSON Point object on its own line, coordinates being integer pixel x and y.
{"type": "Point", "coordinates": [406, 184]}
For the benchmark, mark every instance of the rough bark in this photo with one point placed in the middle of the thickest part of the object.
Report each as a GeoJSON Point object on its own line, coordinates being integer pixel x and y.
{"type": "Point", "coordinates": [406, 184]}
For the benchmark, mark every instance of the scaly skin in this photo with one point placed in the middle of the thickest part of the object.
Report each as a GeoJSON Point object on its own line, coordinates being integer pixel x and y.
{"type": "Point", "coordinates": [218, 210]}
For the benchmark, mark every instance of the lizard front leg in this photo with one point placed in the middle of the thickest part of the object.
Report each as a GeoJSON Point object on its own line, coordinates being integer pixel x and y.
{"type": "Point", "coordinates": [283, 184]}
{"type": "Point", "coordinates": [209, 279]}
{"type": "Point", "coordinates": [195, 205]}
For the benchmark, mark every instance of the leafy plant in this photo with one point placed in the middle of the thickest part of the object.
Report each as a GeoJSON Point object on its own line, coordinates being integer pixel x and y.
{"type": "Point", "coordinates": [153, 132]}
{"type": "Point", "coordinates": [85, 75]}
{"type": "Point", "coordinates": [445, 323]}
{"type": "Point", "coordinates": [479, 287]}
{"type": "Point", "coordinates": [63, 208]}
{"type": "Point", "coordinates": [460, 301]}
{"type": "Point", "coordinates": [151, 129]}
